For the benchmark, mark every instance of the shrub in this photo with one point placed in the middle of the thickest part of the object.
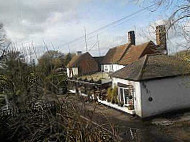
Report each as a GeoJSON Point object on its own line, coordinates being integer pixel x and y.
{"type": "Point", "coordinates": [109, 94]}
{"type": "Point", "coordinates": [115, 95]}
{"type": "Point", "coordinates": [112, 95]}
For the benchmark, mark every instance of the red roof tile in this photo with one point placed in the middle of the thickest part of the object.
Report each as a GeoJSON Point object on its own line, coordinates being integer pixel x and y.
{"type": "Point", "coordinates": [115, 54]}
{"type": "Point", "coordinates": [85, 63]}
{"type": "Point", "coordinates": [137, 51]}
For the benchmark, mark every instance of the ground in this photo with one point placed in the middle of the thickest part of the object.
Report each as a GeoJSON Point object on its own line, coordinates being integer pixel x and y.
{"type": "Point", "coordinates": [169, 128]}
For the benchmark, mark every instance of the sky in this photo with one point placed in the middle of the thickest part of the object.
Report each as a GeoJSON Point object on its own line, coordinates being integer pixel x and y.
{"type": "Point", "coordinates": [52, 24]}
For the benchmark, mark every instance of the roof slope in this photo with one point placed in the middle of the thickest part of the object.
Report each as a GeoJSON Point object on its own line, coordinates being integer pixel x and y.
{"type": "Point", "coordinates": [75, 61]}
{"type": "Point", "coordinates": [152, 67]}
{"type": "Point", "coordinates": [137, 51]}
{"type": "Point", "coordinates": [115, 54]}
{"type": "Point", "coordinates": [85, 63]}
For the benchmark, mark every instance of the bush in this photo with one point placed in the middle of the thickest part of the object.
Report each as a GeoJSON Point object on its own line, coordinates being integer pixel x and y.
{"type": "Point", "coordinates": [115, 95]}
{"type": "Point", "coordinates": [109, 94]}
{"type": "Point", "coordinates": [62, 123]}
{"type": "Point", "coordinates": [112, 95]}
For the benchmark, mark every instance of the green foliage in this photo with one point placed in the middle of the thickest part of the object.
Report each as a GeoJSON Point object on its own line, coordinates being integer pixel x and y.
{"type": "Point", "coordinates": [55, 82]}
{"type": "Point", "coordinates": [115, 95]}
{"type": "Point", "coordinates": [14, 75]}
{"type": "Point", "coordinates": [51, 70]}
{"type": "Point", "coordinates": [109, 94]}
{"type": "Point", "coordinates": [19, 80]}
{"type": "Point", "coordinates": [112, 95]}
{"type": "Point", "coordinates": [68, 58]}
{"type": "Point", "coordinates": [28, 87]}
{"type": "Point", "coordinates": [50, 61]}
{"type": "Point", "coordinates": [183, 55]}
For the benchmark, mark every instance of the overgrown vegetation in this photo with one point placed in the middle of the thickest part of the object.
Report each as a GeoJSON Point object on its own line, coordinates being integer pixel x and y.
{"type": "Point", "coordinates": [112, 95]}
{"type": "Point", "coordinates": [28, 91]}
{"type": "Point", "coordinates": [29, 88]}
{"type": "Point", "coordinates": [67, 124]}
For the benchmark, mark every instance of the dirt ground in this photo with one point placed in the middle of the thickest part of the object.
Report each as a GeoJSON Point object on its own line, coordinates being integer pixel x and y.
{"type": "Point", "coordinates": [169, 128]}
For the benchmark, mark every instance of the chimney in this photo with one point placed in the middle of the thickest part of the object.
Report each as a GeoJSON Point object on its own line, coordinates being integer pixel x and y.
{"type": "Point", "coordinates": [131, 37]}
{"type": "Point", "coordinates": [79, 53]}
{"type": "Point", "coordinates": [161, 38]}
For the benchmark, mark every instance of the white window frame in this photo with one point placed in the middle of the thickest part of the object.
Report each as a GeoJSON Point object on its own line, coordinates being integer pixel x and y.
{"type": "Point", "coordinates": [105, 68]}
{"type": "Point", "coordinates": [111, 67]}
{"type": "Point", "coordinates": [126, 102]}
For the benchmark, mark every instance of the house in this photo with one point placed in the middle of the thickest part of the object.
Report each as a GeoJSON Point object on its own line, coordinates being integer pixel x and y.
{"type": "Point", "coordinates": [153, 85]}
{"type": "Point", "coordinates": [120, 56]}
{"type": "Point", "coordinates": [110, 62]}
{"type": "Point", "coordinates": [111, 59]}
{"type": "Point", "coordinates": [99, 59]}
{"type": "Point", "coordinates": [82, 64]}
{"type": "Point", "coordinates": [85, 76]}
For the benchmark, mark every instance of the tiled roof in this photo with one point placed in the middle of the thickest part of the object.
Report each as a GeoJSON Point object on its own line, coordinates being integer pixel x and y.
{"type": "Point", "coordinates": [85, 62]}
{"type": "Point", "coordinates": [115, 54]}
{"type": "Point", "coordinates": [137, 51]}
{"type": "Point", "coordinates": [127, 53]}
{"type": "Point", "coordinates": [152, 67]}
{"type": "Point", "coordinates": [74, 61]}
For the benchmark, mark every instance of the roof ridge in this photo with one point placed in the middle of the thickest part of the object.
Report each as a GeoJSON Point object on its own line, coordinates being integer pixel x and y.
{"type": "Point", "coordinates": [116, 46]}
{"type": "Point", "coordinates": [78, 58]}
{"type": "Point", "coordinates": [127, 48]}
{"type": "Point", "coordinates": [143, 66]}
{"type": "Point", "coordinates": [146, 43]}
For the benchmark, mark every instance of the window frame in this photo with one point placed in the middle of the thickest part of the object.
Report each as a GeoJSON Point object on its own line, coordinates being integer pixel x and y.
{"type": "Point", "coordinates": [123, 95]}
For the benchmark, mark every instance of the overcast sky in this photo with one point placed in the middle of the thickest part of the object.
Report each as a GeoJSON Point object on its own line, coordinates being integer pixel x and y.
{"type": "Point", "coordinates": [59, 21]}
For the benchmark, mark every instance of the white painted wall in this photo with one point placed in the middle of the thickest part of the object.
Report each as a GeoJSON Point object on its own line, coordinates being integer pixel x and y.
{"type": "Point", "coordinates": [111, 67]}
{"type": "Point", "coordinates": [74, 72]}
{"type": "Point", "coordinates": [168, 94]}
{"type": "Point", "coordinates": [137, 93]}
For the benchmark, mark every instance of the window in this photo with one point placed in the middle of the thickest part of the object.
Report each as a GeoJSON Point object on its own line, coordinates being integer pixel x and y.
{"type": "Point", "coordinates": [105, 68]}
{"type": "Point", "coordinates": [126, 95]}
{"type": "Point", "coordinates": [121, 96]}
{"type": "Point", "coordinates": [102, 67]}
{"type": "Point", "coordinates": [111, 67]}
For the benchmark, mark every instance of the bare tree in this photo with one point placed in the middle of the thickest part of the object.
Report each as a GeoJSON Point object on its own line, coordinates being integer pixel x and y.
{"type": "Point", "coordinates": [4, 42]}
{"type": "Point", "coordinates": [176, 15]}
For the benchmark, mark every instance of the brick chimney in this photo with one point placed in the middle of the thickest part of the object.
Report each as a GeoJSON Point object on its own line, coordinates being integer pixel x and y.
{"type": "Point", "coordinates": [131, 37]}
{"type": "Point", "coordinates": [161, 38]}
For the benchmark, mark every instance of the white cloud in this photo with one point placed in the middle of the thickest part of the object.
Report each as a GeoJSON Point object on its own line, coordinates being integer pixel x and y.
{"type": "Point", "coordinates": [24, 19]}
{"type": "Point", "coordinates": [59, 21]}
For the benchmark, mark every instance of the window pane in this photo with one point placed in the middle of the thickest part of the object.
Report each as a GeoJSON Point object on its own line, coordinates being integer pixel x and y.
{"type": "Point", "coordinates": [121, 94]}
{"type": "Point", "coordinates": [126, 95]}
{"type": "Point", "coordinates": [126, 92]}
